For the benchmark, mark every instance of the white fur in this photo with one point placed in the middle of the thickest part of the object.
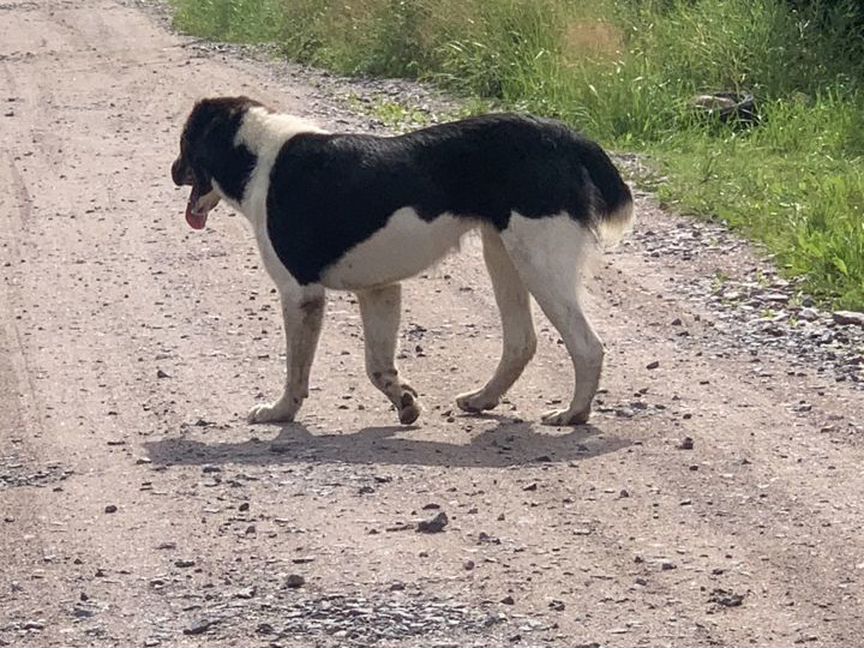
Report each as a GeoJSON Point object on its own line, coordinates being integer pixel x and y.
{"type": "Point", "coordinates": [549, 254]}
{"type": "Point", "coordinates": [404, 247]}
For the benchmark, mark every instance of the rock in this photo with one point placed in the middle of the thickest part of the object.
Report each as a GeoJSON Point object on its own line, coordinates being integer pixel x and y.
{"type": "Point", "coordinates": [530, 487]}
{"type": "Point", "coordinates": [246, 592]}
{"type": "Point", "coordinates": [653, 365]}
{"type": "Point", "coordinates": [849, 318]}
{"type": "Point", "coordinates": [435, 525]}
{"type": "Point", "coordinates": [293, 581]}
{"type": "Point", "coordinates": [161, 374]}
{"type": "Point", "coordinates": [508, 600]}
{"type": "Point", "coordinates": [34, 625]}
{"type": "Point", "coordinates": [726, 598]}
{"type": "Point", "coordinates": [183, 564]}
{"type": "Point", "coordinates": [556, 605]}
{"type": "Point", "coordinates": [199, 627]}
{"type": "Point", "coordinates": [686, 443]}
{"type": "Point", "coordinates": [468, 565]}
{"type": "Point", "coordinates": [808, 314]}
{"type": "Point", "coordinates": [111, 508]}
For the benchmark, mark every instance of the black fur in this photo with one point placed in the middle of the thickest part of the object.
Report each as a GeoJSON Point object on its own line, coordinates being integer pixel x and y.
{"type": "Point", "coordinates": [207, 148]}
{"type": "Point", "coordinates": [330, 192]}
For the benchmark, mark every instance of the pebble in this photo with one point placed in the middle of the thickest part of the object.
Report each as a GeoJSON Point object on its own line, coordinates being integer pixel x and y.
{"type": "Point", "coordinates": [435, 525]}
{"type": "Point", "coordinates": [294, 581]}
{"type": "Point", "coordinates": [111, 508]}
{"type": "Point", "coordinates": [686, 443]}
{"type": "Point", "coordinates": [849, 318]}
{"type": "Point", "coordinates": [199, 627]}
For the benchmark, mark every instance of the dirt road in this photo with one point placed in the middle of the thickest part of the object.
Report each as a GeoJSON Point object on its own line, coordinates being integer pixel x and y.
{"type": "Point", "coordinates": [131, 347]}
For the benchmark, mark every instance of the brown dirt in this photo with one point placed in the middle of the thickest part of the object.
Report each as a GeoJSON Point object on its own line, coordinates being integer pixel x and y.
{"type": "Point", "coordinates": [608, 533]}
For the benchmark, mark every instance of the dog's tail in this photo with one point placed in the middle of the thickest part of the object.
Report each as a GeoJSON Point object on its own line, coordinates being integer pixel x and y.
{"type": "Point", "coordinates": [612, 203]}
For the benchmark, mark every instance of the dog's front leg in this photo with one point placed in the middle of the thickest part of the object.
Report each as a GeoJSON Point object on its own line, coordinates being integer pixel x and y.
{"type": "Point", "coordinates": [302, 313]}
{"type": "Point", "coordinates": [380, 311]}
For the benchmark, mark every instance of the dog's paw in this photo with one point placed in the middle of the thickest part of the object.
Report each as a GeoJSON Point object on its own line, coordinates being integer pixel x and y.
{"type": "Point", "coordinates": [565, 417]}
{"type": "Point", "coordinates": [476, 401]}
{"type": "Point", "coordinates": [409, 408]}
{"type": "Point", "coordinates": [270, 413]}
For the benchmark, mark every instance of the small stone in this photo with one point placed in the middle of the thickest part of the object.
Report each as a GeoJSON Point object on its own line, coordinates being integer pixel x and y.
{"type": "Point", "coordinates": [243, 507]}
{"type": "Point", "coordinates": [246, 592]}
{"type": "Point", "coordinates": [668, 565]}
{"type": "Point", "coordinates": [33, 625]}
{"type": "Point", "coordinates": [199, 627]}
{"type": "Point", "coordinates": [294, 581]}
{"type": "Point", "coordinates": [530, 487]}
{"type": "Point", "coordinates": [183, 564]}
{"type": "Point", "coordinates": [653, 365]}
{"type": "Point", "coordinates": [435, 525]}
{"type": "Point", "coordinates": [468, 565]}
{"type": "Point", "coordinates": [161, 374]}
{"type": "Point", "coordinates": [686, 443]}
{"type": "Point", "coordinates": [725, 598]}
{"type": "Point", "coordinates": [508, 600]}
{"type": "Point", "coordinates": [397, 587]}
{"type": "Point", "coordinates": [556, 605]}
{"type": "Point", "coordinates": [849, 318]}
{"type": "Point", "coordinates": [808, 314]}
{"type": "Point", "coordinates": [111, 508]}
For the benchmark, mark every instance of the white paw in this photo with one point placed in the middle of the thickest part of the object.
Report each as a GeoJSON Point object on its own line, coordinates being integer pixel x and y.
{"type": "Point", "coordinates": [565, 417]}
{"type": "Point", "coordinates": [476, 401]}
{"type": "Point", "coordinates": [270, 413]}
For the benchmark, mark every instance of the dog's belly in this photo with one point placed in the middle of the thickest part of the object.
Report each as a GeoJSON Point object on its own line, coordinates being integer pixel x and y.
{"type": "Point", "coordinates": [405, 246]}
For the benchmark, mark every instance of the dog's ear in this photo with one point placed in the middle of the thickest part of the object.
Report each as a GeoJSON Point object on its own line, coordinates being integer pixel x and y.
{"type": "Point", "coordinates": [211, 129]}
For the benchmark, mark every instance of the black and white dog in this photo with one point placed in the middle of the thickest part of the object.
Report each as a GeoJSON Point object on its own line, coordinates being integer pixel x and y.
{"type": "Point", "coordinates": [362, 213]}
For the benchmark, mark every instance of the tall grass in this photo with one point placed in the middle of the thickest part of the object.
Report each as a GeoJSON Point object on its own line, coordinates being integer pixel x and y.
{"type": "Point", "coordinates": [625, 72]}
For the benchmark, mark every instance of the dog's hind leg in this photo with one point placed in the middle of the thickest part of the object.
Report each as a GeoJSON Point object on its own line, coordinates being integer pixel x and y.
{"type": "Point", "coordinates": [548, 254]}
{"type": "Point", "coordinates": [517, 324]}
{"type": "Point", "coordinates": [302, 313]}
{"type": "Point", "coordinates": [380, 311]}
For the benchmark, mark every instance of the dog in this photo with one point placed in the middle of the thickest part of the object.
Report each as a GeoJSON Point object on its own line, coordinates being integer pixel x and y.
{"type": "Point", "coordinates": [362, 212]}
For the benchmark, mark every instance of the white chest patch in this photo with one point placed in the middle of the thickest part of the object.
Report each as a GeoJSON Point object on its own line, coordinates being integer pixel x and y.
{"type": "Point", "coordinates": [404, 247]}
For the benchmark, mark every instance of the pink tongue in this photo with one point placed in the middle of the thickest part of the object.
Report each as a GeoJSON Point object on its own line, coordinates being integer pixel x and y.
{"type": "Point", "coordinates": [196, 221]}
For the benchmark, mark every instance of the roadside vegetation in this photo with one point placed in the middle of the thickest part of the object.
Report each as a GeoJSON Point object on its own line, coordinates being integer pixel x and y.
{"type": "Point", "coordinates": [626, 72]}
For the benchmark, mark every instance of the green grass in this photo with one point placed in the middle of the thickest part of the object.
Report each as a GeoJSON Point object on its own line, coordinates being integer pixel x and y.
{"type": "Point", "coordinates": [624, 71]}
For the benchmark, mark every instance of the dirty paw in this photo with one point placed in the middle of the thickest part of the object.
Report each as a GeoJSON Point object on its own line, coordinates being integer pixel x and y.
{"type": "Point", "coordinates": [566, 417]}
{"type": "Point", "coordinates": [476, 401]}
{"type": "Point", "coordinates": [271, 413]}
{"type": "Point", "coordinates": [409, 408]}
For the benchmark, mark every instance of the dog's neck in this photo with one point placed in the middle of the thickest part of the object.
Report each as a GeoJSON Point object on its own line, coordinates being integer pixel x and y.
{"type": "Point", "coordinates": [260, 137]}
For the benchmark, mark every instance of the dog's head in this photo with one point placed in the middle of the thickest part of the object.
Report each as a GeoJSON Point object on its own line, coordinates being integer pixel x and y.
{"type": "Point", "coordinates": [206, 148]}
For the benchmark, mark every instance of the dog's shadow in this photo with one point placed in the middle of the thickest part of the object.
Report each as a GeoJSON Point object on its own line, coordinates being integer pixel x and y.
{"type": "Point", "coordinates": [511, 442]}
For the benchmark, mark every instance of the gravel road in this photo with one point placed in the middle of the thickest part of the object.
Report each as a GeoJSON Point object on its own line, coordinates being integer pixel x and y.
{"type": "Point", "coordinates": [715, 498]}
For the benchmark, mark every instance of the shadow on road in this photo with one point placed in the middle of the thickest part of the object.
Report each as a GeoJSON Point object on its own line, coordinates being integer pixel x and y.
{"type": "Point", "coordinates": [509, 443]}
